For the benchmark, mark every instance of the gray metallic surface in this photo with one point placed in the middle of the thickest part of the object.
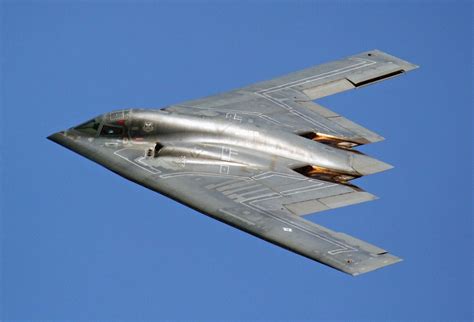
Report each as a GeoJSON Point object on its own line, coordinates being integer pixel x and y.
{"type": "Point", "coordinates": [257, 158]}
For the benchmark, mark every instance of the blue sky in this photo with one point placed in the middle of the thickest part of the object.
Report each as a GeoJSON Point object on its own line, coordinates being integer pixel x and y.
{"type": "Point", "coordinates": [79, 242]}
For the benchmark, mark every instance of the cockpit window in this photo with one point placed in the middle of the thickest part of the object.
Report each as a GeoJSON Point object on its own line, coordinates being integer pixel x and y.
{"type": "Point", "coordinates": [90, 127]}
{"type": "Point", "coordinates": [108, 130]}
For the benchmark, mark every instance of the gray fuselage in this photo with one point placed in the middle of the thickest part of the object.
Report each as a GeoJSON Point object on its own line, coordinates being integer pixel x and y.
{"type": "Point", "coordinates": [176, 135]}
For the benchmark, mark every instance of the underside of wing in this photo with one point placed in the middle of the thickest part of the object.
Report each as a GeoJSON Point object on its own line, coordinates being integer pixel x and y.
{"type": "Point", "coordinates": [286, 101]}
{"type": "Point", "coordinates": [266, 204]}
{"type": "Point", "coordinates": [259, 206]}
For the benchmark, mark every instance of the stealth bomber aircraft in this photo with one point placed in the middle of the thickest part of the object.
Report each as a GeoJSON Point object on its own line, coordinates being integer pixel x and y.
{"type": "Point", "coordinates": [258, 158]}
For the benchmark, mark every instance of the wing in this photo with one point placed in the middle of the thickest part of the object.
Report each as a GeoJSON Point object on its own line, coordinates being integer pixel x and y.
{"type": "Point", "coordinates": [263, 203]}
{"type": "Point", "coordinates": [286, 101]}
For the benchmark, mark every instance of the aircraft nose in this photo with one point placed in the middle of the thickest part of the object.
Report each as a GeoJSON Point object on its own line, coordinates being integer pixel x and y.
{"type": "Point", "coordinates": [55, 137]}
{"type": "Point", "coordinates": [63, 139]}
{"type": "Point", "coordinates": [67, 140]}
{"type": "Point", "coordinates": [76, 142]}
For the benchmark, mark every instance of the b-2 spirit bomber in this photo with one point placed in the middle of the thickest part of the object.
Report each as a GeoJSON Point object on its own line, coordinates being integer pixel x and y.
{"type": "Point", "coordinates": [258, 158]}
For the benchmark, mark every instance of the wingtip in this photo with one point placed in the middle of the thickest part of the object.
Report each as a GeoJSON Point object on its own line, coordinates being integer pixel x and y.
{"type": "Point", "coordinates": [378, 262]}
{"type": "Point", "coordinates": [405, 65]}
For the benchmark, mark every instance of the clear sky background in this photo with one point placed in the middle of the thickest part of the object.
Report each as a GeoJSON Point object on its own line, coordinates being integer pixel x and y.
{"type": "Point", "coordinates": [79, 242]}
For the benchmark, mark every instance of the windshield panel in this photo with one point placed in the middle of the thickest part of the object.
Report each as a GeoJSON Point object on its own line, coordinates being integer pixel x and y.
{"type": "Point", "coordinates": [89, 127]}
{"type": "Point", "coordinates": [108, 130]}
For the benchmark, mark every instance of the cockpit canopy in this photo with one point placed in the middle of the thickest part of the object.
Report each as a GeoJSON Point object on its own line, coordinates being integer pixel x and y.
{"type": "Point", "coordinates": [111, 130]}
{"type": "Point", "coordinates": [108, 125]}
{"type": "Point", "coordinates": [132, 124]}
{"type": "Point", "coordinates": [90, 127]}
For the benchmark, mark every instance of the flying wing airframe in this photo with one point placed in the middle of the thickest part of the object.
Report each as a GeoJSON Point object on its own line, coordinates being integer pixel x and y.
{"type": "Point", "coordinates": [258, 158]}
